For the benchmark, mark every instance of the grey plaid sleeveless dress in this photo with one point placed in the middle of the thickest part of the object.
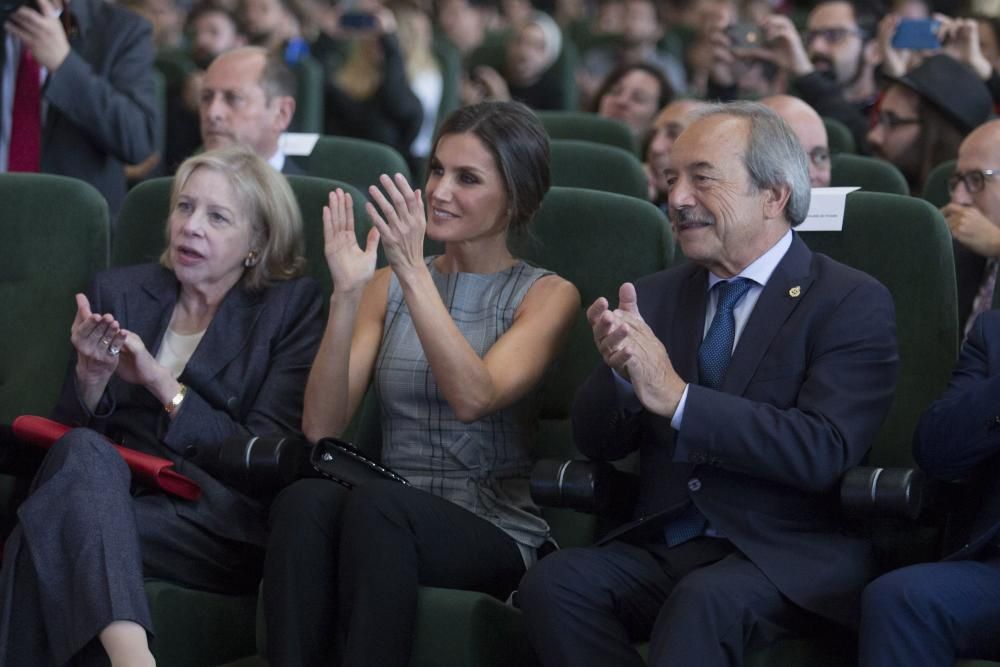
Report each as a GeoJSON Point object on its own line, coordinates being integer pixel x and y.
{"type": "Point", "coordinates": [483, 466]}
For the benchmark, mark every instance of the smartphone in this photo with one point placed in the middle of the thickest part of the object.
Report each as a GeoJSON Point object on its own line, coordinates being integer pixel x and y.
{"type": "Point", "coordinates": [917, 34]}
{"type": "Point", "coordinates": [8, 7]}
{"type": "Point", "coordinates": [745, 36]}
{"type": "Point", "coordinates": [356, 21]}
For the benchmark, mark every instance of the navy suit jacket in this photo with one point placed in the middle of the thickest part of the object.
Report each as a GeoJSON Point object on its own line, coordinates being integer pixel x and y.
{"type": "Point", "coordinates": [809, 384]}
{"type": "Point", "coordinates": [247, 376]}
{"type": "Point", "coordinates": [960, 433]}
{"type": "Point", "coordinates": [102, 110]}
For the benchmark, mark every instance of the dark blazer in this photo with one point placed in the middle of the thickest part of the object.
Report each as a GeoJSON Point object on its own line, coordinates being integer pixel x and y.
{"type": "Point", "coordinates": [969, 270]}
{"type": "Point", "coordinates": [292, 168]}
{"type": "Point", "coordinates": [102, 109]}
{"type": "Point", "coordinates": [960, 433]}
{"type": "Point", "coordinates": [247, 376]}
{"type": "Point", "coordinates": [807, 388]}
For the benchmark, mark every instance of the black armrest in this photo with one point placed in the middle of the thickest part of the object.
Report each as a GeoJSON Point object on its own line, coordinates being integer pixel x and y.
{"type": "Point", "coordinates": [868, 492]}
{"type": "Point", "coordinates": [261, 466]}
{"type": "Point", "coordinates": [594, 487]}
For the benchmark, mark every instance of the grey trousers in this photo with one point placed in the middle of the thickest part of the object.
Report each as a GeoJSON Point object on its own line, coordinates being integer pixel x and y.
{"type": "Point", "coordinates": [82, 547]}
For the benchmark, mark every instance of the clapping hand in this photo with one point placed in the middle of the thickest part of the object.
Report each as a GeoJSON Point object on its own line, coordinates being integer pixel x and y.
{"type": "Point", "coordinates": [402, 222]}
{"type": "Point", "coordinates": [350, 267]}
{"type": "Point", "coordinates": [629, 346]}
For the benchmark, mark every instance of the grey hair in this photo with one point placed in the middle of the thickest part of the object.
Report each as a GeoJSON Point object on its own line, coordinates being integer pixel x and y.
{"type": "Point", "coordinates": [774, 156]}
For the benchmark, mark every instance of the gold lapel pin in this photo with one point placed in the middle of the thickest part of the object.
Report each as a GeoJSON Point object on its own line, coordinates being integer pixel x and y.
{"type": "Point", "coordinates": [795, 292]}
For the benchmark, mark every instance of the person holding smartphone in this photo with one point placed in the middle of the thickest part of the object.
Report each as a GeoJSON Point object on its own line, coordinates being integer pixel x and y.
{"type": "Point", "coordinates": [369, 96]}
{"type": "Point", "coordinates": [89, 65]}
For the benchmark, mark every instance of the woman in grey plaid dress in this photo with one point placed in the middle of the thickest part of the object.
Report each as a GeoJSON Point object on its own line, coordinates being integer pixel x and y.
{"type": "Point", "coordinates": [456, 346]}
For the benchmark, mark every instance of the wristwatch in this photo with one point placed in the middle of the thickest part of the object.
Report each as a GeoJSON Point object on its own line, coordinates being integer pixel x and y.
{"type": "Point", "coordinates": [175, 402]}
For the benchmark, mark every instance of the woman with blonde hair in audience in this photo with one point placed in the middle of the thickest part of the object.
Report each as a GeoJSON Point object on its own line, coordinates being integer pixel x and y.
{"type": "Point", "coordinates": [369, 96]}
{"type": "Point", "coordinates": [170, 359]}
{"type": "Point", "coordinates": [456, 346]}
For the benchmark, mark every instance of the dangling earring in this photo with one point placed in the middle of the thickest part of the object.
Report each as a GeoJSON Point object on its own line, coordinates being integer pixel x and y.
{"type": "Point", "coordinates": [251, 259]}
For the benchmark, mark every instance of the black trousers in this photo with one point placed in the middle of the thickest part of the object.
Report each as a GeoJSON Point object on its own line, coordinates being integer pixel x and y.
{"type": "Point", "coordinates": [345, 565]}
{"type": "Point", "coordinates": [699, 603]}
{"type": "Point", "coordinates": [78, 558]}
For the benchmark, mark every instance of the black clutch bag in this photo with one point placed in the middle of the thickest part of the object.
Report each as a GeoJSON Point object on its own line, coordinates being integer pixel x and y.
{"type": "Point", "coordinates": [345, 464]}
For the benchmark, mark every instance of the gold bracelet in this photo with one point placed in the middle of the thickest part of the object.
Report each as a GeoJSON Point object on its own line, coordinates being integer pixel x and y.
{"type": "Point", "coordinates": [175, 402]}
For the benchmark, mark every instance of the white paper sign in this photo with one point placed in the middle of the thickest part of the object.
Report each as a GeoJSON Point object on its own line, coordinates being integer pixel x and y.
{"type": "Point", "coordinates": [297, 143]}
{"type": "Point", "coordinates": [826, 210]}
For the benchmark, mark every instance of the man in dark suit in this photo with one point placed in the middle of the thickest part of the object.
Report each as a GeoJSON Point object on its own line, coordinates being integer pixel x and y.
{"type": "Point", "coordinates": [737, 536]}
{"type": "Point", "coordinates": [973, 215]}
{"type": "Point", "coordinates": [248, 97]}
{"type": "Point", "coordinates": [932, 613]}
{"type": "Point", "coordinates": [95, 109]}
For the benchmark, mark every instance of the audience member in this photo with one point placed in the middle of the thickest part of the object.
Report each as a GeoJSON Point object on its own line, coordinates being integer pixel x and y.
{"type": "Point", "coordinates": [273, 24]}
{"type": "Point", "coordinates": [248, 97]}
{"type": "Point", "coordinates": [973, 215]}
{"type": "Point", "coordinates": [738, 536]}
{"type": "Point", "coordinates": [833, 66]}
{"type": "Point", "coordinates": [169, 359]}
{"type": "Point", "coordinates": [924, 115]}
{"type": "Point", "coordinates": [528, 75]}
{"type": "Point", "coordinates": [424, 73]}
{"type": "Point", "coordinates": [810, 131]}
{"type": "Point", "coordinates": [666, 128]}
{"type": "Point", "coordinates": [82, 98]}
{"type": "Point", "coordinates": [934, 613]}
{"type": "Point", "coordinates": [465, 22]}
{"type": "Point", "coordinates": [213, 30]}
{"type": "Point", "coordinates": [369, 96]}
{"type": "Point", "coordinates": [641, 33]}
{"type": "Point", "coordinates": [633, 94]}
{"type": "Point", "coordinates": [458, 398]}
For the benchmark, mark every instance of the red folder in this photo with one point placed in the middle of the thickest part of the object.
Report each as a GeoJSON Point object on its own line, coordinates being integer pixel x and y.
{"type": "Point", "coordinates": [152, 470]}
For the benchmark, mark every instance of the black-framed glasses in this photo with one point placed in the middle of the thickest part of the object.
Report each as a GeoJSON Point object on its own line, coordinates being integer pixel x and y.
{"type": "Point", "coordinates": [891, 121]}
{"type": "Point", "coordinates": [974, 179]}
{"type": "Point", "coordinates": [830, 35]}
{"type": "Point", "coordinates": [819, 156]}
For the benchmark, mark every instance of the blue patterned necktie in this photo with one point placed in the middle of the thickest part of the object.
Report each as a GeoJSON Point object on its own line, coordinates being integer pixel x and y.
{"type": "Point", "coordinates": [717, 348]}
{"type": "Point", "coordinates": [713, 360]}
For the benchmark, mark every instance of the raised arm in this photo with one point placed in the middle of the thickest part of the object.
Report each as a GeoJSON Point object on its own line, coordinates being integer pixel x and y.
{"type": "Point", "coordinates": [343, 366]}
{"type": "Point", "coordinates": [473, 386]}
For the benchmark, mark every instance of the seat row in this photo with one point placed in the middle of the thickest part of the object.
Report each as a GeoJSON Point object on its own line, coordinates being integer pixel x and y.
{"type": "Point", "coordinates": [57, 235]}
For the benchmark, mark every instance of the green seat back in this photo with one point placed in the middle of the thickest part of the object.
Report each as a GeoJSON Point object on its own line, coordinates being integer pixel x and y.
{"type": "Point", "coordinates": [356, 161]}
{"type": "Point", "coordinates": [871, 174]}
{"type": "Point", "coordinates": [55, 238]}
{"type": "Point", "coordinates": [597, 241]}
{"type": "Point", "coordinates": [936, 186]}
{"type": "Point", "coordinates": [585, 164]}
{"type": "Point", "coordinates": [587, 126]}
{"type": "Point", "coordinates": [309, 96]}
{"type": "Point", "coordinates": [904, 243]}
{"type": "Point", "coordinates": [838, 136]}
{"type": "Point", "coordinates": [141, 233]}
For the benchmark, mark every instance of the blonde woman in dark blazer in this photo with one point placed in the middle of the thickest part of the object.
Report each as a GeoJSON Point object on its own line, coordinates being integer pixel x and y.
{"type": "Point", "coordinates": [170, 359]}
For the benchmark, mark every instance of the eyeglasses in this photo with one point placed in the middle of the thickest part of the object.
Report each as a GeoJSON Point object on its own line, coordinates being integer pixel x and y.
{"type": "Point", "coordinates": [891, 121]}
{"type": "Point", "coordinates": [974, 179]}
{"type": "Point", "coordinates": [830, 35]}
{"type": "Point", "coordinates": [819, 156]}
